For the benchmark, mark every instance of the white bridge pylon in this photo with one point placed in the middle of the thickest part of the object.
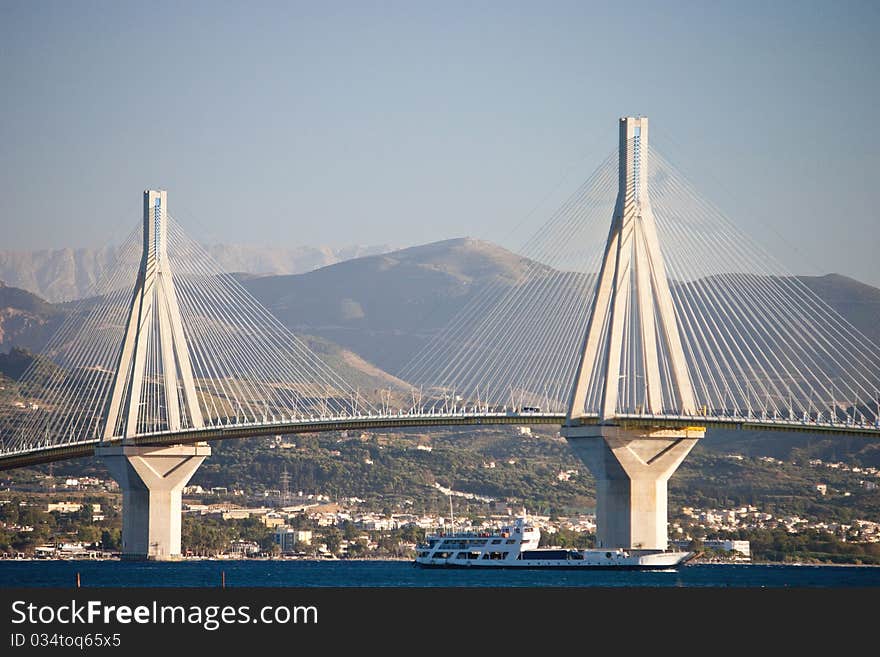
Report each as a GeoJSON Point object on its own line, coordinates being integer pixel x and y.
{"type": "Point", "coordinates": [632, 332]}
{"type": "Point", "coordinates": [152, 478]}
{"type": "Point", "coordinates": [632, 282]}
{"type": "Point", "coordinates": [154, 316]}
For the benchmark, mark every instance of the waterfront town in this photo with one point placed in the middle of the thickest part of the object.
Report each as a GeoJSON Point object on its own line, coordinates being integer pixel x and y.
{"type": "Point", "coordinates": [80, 517]}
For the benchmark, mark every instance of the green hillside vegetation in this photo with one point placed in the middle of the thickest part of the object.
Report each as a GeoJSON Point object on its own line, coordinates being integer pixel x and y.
{"type": "Point", "coordinates": [459, 460]}
{"type": "Point", "coordinates": [402, 475]}
{"type": "Point", "coordinates": [710, 480]}
{"type": "Point", "coordinates": [796, 446]}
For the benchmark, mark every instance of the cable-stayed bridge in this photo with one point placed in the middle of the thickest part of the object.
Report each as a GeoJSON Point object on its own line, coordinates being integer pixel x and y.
{"type": "Point", "coordinates": [633, 339]}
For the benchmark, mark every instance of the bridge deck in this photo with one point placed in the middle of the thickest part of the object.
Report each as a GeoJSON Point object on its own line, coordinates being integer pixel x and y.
{"type": "Point", "coordinates": [51, 453]}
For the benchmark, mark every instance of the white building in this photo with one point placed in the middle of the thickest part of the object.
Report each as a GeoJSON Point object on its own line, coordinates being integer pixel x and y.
{"type": "Point", "coordinates": [63, 507]}
{"type": "Point", "coordinates": [244, 548]}
{"type": "Point", "coordinates": [289, 538]}
{"type": "Point", "coordinates": [285, 538]}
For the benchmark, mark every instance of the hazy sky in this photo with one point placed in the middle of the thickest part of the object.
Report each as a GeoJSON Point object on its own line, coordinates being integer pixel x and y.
{"type": "Point", "coordinates": [338, 123]}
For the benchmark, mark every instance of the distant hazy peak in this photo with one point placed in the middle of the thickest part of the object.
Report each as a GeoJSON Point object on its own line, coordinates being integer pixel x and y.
{"type": "Point", "coordinates": [64, 274]}
{"type": "Point", "coordinates": [462, 257]}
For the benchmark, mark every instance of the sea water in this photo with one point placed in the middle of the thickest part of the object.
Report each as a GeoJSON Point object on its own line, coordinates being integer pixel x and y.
{"type": "Point", "coordinates": [349, 573]}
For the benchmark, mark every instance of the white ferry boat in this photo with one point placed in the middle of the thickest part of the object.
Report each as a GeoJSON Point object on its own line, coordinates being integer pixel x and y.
{"type": "Point", "coordinates": [516, 546]}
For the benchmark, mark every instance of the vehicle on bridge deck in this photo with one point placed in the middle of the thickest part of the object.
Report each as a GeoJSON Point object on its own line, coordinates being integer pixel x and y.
{"type": "Point", "coordinates": [516, 546]}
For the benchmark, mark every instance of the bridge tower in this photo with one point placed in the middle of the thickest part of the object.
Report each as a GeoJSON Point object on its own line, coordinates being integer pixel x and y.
{"type": "Point", "coordinates": [632, 332]}
{"type": "Point", "coordinates": [152, 478]}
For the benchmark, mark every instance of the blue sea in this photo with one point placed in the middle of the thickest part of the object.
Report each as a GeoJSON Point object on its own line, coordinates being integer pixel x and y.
{"type": "Point", "coordinates": [405, 574]}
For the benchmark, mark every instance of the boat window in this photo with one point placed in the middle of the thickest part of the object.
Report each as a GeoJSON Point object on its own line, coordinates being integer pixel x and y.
{"type": "Point", "coordinates": [510, 541]}
{"type": "Point", "coordinates": [553, 555]}
{"type": "Point", "coordinates": [496, 541]}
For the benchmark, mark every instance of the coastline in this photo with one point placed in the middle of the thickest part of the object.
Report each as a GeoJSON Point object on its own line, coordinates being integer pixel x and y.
{"type": "Point", "coordinates": [312, 560]}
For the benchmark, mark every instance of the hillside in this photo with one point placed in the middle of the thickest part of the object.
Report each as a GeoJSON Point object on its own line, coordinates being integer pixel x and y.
{"type": "Point", "coordinates": [26, 320]}
{"type": "Point", "coordinates": [857, 302]}
{"type": "Point", "coordinates": [384, 307]}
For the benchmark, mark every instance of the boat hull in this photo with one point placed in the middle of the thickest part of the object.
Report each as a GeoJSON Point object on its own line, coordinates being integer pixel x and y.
{"type": "Point", "coordinates": [527, 566]}
{"type": "Point", "coordinates": [651, 561]}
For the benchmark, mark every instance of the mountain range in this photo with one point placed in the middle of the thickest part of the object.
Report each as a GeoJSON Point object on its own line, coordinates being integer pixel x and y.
{"type": "Point", "coordinates": [385, 307]}
{"type": "Point", "coordinates": [367, 316]}
{"type": "Point", "coordinates": [65, 274]}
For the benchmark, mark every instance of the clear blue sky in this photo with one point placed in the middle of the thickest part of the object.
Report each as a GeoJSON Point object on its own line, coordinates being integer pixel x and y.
{"type": "Point", "coordinates": [338, 123]}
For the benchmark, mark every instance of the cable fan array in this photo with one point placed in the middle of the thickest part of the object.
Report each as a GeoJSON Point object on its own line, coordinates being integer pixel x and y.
{"type": "Point", "coordinates": [759, 344]}
{"type": "Point", "coordinates": [517, 343]}
{"type": "Point", "coordinates": [247, 367]}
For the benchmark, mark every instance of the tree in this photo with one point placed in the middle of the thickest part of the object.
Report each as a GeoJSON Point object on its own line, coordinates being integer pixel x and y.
{"type": "Point", "coordinates": [357, 549]}
{"type": "Point", "coordinates": [412, 534]}
{"type": "Point", "coordinates": [88, 534]}
{"type": "Point", "coordinates": [332, 539]}
{"type": "Point", "coordinates": [111, 539]}
{"type": "Point", "coordinates": [349, 531]}
{"type": "Point", "coordinates": [9, 512]}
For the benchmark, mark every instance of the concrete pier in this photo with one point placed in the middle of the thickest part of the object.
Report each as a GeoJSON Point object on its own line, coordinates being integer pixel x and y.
{"type": "Point", "coordinates": [631, 468]}
{"type": "Point", "coordinates": [152, 481]}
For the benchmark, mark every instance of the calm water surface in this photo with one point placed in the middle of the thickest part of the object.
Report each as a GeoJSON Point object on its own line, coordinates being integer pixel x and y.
{"type": "Point", "coordinates": [403, 574]}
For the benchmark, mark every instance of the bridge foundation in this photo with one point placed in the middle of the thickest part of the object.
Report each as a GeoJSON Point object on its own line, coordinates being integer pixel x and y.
{"type": "Point", "coordinates": [152, 481]}
{"type": "Point", "coordinates": [631, 468]}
